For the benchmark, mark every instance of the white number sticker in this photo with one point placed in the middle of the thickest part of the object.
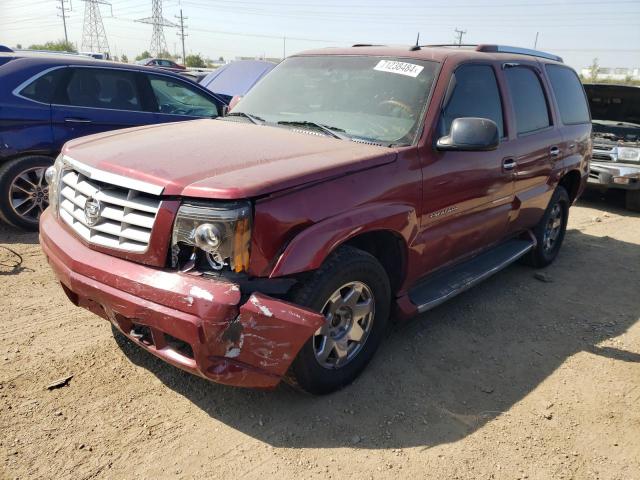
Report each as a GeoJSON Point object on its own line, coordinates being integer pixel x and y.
{"type": "Point", "coordinates": [401, 68]}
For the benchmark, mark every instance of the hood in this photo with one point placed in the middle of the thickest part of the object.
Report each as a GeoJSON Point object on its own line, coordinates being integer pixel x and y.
{"type": "Point", "coordinates": [223, 159]}
{"type": "Point", "coordinates": [619, 103]}
{"type": "Point", "coordinates": [615, 110]}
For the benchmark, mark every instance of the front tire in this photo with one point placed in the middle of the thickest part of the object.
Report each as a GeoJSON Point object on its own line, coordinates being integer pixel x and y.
{"type": "Point", "coordinates": [24, 194]}
{"type": "Point", "coordinates": [352, 291]}
{"type": "Point", "coordinates": [550, 230]}
{"type": "Point", "coordinates": [632, 200]}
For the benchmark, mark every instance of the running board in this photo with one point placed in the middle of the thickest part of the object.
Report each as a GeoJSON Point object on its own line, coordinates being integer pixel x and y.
{"type": "Point", "coordinates": [444, 285]}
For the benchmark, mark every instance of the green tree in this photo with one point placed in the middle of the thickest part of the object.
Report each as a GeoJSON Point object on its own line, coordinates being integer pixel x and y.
{"type": "Point", "coordinates": [59, 46]}
{"type": "Point", "coordinates": [143, 55]}
{"type": "Point", "coordinates": [593, 71]}
{"type": "Point", "coordinates": [194, 61]}
{"type": "Point", "coordinates": [124, 58]}
{"type": "Point", "coordinates": [167, 55]}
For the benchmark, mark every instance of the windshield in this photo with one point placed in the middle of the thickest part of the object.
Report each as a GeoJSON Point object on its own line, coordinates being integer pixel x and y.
{"type": "Point", "coordinates": [364, 97]}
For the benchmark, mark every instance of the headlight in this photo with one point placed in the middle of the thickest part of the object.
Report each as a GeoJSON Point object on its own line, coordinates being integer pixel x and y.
{"type": "Point", "coordinates": [218, 235]}
{"type": "Point", "coordinates": [628, 154]}
{"type": "Point", "coordinates": [52, 176]}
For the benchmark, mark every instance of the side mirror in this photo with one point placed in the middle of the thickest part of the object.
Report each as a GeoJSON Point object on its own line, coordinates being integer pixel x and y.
{"type": "Point", "coordinates": [471, 134]}
{"type": "Point", "coordinates": [234, 101]}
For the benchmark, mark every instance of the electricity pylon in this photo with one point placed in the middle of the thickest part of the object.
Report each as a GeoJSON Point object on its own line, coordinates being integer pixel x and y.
{"type": "Point", "coordinates": [94, 37]}
{"type": "Point", "coordinates": [158, 42]}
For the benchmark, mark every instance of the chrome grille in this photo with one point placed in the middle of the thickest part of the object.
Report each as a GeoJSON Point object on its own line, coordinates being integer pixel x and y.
{"type": "Point", "coordinates": [604, 153]}
{"type": "Point", "coordinates": [126, 216]}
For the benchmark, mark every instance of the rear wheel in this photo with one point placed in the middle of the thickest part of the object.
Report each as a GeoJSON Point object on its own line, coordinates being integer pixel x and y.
{"type": "Point", "coordinates": [352, 291]}
{"type": "Point", "coordinates": [550, 230]}
{"type": "Point", "coordinates": [633, 200]}
{"type": "Point", "coordinates": [24, 194]}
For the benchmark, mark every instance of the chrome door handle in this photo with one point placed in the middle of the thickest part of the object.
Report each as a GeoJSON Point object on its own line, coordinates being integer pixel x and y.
{"type": "Point", "coordinates": [77, 120]}
{"type": "Point", "coordinates": [509, 164]}
{"type": "Point", "coordinates": [555, 151]}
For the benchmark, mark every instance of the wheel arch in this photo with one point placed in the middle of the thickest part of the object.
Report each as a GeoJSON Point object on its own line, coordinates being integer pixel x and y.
{"type": "Point", "coordinates": [29, 153]}
{"type": "Point", "coordinates": [571, 183]}
{"type": "Point", "coordinates": [384, 231]}
{"type": "Point", "coordinates": [389, 248]}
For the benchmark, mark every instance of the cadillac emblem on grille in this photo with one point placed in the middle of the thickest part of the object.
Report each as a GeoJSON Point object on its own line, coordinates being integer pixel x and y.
{"type": "Point", "coordinates": [92, 211]}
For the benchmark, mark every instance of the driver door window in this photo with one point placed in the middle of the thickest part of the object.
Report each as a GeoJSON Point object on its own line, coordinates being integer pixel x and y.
{"type": "Point", "coordinates": [176, 98]}
{"type": "Point", "coordinates": [473, 92]}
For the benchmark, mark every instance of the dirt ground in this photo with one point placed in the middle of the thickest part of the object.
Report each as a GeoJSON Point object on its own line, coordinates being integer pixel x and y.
{"type": "Point", "coordinates": [517, 378]}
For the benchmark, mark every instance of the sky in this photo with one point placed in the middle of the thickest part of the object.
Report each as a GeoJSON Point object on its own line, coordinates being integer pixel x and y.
{"type": "Point", "coordinates": [577, 30]}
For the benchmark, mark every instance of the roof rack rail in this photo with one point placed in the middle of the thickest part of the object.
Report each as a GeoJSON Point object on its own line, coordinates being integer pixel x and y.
{"type": "Point", "coordinates": [461, 45]}
{"type": "Point", "coordinates": [518, 51]}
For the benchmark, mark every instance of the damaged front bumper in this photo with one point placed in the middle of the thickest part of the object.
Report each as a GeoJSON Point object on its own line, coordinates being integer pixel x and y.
{"type": "Point", "coordinates": [197, 324]}
{"type": "Point", "coordinates": [614, 175]}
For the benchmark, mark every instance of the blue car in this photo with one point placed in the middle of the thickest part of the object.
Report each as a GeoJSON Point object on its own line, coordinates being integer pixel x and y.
{"type": "Point", "coordinates": [48, 99]}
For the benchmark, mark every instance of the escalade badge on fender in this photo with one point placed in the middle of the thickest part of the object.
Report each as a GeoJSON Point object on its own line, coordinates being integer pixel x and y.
{"type": "Point", "coordinates": [441, 213]}
{"type": "Point", "coordinates": [92, 209]}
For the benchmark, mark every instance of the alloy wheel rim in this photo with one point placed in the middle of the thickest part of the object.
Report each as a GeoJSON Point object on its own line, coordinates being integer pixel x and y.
{"type": "Point", "coordinates": [553, 228]}
{"type": "Point", "coordinates": [29, 193]}
{"type": "Point", "coordinates": [349, 314]}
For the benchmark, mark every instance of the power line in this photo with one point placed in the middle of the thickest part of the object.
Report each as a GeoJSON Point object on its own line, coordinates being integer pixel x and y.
{"type": "Point", "coordinates": [63, 14]}
{"type": "Point", "coordinates": [94, 36]}
{"type": "Point", "coordinates": [181, 34]}
{"type": "Point", "coordinates": [460, 33]}
{"type": "Point", "coordinates": [158, 42]}
{"type": "Point", "coordinates": [394, 6]}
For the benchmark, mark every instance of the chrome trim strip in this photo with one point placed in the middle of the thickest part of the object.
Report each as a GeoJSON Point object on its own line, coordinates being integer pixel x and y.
{"type": "Point", "coordinates": [113, 178]}
{"type": "Point", "coordinates": [151, 71]}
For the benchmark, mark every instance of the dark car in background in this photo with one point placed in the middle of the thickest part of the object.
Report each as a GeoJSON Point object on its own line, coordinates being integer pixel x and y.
{"type": "Point", "coordinates": [615, 112]}
{"type": "Point", "coordinates": [48, 99]}
{"type": "Point", "coordinates": [236, 78]}
{"type": "Point", "coordinates": [161, 63]}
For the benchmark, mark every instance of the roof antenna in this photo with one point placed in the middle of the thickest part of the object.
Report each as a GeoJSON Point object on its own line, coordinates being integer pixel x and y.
{"type": "Point", "coordinates": [417, 45]}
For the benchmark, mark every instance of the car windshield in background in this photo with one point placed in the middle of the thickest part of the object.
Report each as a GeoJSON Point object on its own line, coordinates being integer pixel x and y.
{"type": "Point", "coordinates": [380, 99]}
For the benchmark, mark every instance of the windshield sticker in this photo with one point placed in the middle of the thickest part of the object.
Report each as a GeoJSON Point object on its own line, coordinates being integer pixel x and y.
{"type": "Point", "coordinates": [401, 68]}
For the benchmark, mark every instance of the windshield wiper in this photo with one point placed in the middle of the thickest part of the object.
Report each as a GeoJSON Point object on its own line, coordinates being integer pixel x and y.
{"type": "Point", "coordinates": [254, 118]}
{"type": "Point", "coordinates": [331, 131]}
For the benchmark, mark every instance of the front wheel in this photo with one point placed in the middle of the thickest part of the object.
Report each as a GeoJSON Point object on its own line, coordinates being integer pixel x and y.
{"type": "Point", "coordinates": [550, 230]}
{"type": "Point", "coordinates": [24, 194]}
{"type": "Point", "coordinates": [633, 200]}
{"type": "Point", "coordinates": [352, 291]}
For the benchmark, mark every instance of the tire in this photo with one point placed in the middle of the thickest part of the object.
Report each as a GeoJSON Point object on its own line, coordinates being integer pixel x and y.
{"type": "Point", "coordinates": [348, 278]}
{"type": "Point", "coordinates": [558, 210]}
{"type": "Point", "coordinates": [632, 200]}
{"type": "Point", "coordinates": [22, 180]}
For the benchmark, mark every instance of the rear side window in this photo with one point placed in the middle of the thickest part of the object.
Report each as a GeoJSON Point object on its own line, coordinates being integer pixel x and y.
{"type": "Point", "coordinates": [529, 101]}
{"type": "Point", "coordinates": [102, 88]}
{"type": "Point", "coordinates": [475, 94]}
{"type": "Point", "coordinates": [569, 95]}
{"type": "Point", "coordinates": [43, 87]}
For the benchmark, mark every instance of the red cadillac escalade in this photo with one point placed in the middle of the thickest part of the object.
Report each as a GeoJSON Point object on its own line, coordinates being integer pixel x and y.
{"type": "Point", "coordinates": [349, 186]}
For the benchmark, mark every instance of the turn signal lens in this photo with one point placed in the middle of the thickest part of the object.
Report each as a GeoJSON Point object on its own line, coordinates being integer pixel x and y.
{"type": "Point", "coordinates": [241, 241]}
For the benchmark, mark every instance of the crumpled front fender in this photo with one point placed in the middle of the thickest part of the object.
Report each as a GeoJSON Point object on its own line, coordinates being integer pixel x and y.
{"type": "Point", "coordinates": [267, 335]}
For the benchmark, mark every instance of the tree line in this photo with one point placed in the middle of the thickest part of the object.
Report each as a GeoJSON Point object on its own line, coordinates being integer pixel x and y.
{"type": "Point", "coordinates": [192, 60]}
